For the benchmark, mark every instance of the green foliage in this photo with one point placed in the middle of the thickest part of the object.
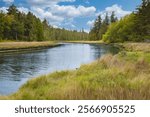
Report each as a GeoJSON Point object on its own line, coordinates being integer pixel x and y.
{"type": "Point", "coordinates": [63, 34]}
{"type": "Point", "coordinates": [113, 18]}
{"type": "Point", "coordinates": [1, 24]}
{"type": "Point", "coordinates": [100, 27]}
{"type": "Point", "coordinates": [121, 31]}
{"type": "Point", "coordinates": [106, 20]}
{"type": "Point", "coordinates": [143, 20]}
{"type": "Point", "coordinates": [135, 27]}
{"type": "Point", "coordinates": [94, 34]}
{"type": "Point", "coordinates": [27, 27]}
{"type": "Point", "coordinates": [12, 10]}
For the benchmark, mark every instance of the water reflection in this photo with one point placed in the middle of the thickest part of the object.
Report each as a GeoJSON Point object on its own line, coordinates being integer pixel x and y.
{"type": "Point", "coordinates": [17, 68]}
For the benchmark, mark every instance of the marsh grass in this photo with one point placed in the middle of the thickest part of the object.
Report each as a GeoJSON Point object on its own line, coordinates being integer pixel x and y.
{"type": "Point", "coordinates": [86, 42]}
{"type": "Point", "coordinates": [4, 46]}
{"type": "Point", "coordinates": [144, 47]}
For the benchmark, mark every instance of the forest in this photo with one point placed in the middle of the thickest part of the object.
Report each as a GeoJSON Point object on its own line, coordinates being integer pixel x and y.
{"type": "Point", "coordinates": [134, 27]}
{"type": "Point", "coordinates": [18, 26]}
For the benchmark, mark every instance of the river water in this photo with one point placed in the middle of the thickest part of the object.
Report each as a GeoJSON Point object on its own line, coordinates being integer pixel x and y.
{"type": "Point", "coordinates": [17, 68]}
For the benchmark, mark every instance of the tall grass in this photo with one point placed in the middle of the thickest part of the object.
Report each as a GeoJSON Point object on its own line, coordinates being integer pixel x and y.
{"type": "Point", "coordinates": [137, 46]}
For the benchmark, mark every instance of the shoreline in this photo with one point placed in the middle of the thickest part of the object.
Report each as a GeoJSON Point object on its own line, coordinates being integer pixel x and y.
{"type": "Point", "coordinates": [85, 42]}
{"type": "Point", "coordinates": [8, 47]}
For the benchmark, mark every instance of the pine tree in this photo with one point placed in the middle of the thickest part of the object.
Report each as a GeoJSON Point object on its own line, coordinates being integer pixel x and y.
{"type": "Point", "coordinates": [1, 24]}
{"type": "Point", "coordinates": [45, 23]}
{"type": "Point", "coordinates": [113, 18]}
{"type": "Point", "coordinates": [94, 33]}
{"type": "Point", "coordinates": [29, 25]}
{"type": "Point", "coordinates": [143, 20]}
{"type": "Point", "coordinates": [12, 10]}
{"type": "Point", "coordinates": [106, 20]}
{"type": "Point", "coordinates": [104, 26]}
{"type": "Point", "coordinates": [98, 22]}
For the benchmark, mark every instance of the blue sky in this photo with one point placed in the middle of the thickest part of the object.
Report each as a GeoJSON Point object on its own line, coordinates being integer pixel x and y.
{"type": "Point", "coordinates": [72, 14]}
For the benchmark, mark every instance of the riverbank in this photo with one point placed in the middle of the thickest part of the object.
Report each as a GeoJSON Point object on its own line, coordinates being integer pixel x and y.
{"type": "Point", "coordinates": [7, 47]}
{"type": "Point", "coordinates": [86, 42]}
{"type": "Point", "coordinates": [122, 76]}
{"type": "Point", "coordinates": [144, 47]}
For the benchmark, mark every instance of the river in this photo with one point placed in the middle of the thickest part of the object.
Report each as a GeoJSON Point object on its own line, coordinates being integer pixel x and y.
{"type": "Point", "coordinates": [18, 68]}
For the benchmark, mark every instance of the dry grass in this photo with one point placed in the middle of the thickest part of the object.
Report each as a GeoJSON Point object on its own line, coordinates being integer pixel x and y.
{"type": "Point", "coordinates": [86, 42]}
{"type": "Point", "coordinates": [4, 98]}
{"type": "Point", "coordinates": [24, 45]}
{"type": "Point", "coordinates": [137, 46]}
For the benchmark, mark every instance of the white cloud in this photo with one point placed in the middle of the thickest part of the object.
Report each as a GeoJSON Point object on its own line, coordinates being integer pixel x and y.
{"type": "Point", "coordinates": [59, 14]}
{"type": "Point", "coordinates": [4, 9]}
{"type": "Point", "coordinates": [86, 30]}
{"type": "Point", "coordinates": [23, 9]}
{"type": "Point", "coordinates": [46, 3]}
{"type": "Point", "coordinates": [87, 11]}
{"type": "Point", "coordinates": [119, 12]}
{"type": "Point", "coordinates": [90, 23]}
{"type": "Point", "coordinates": [72, 11]}
{"type": "Point", "coordinates": [63, 15]}
{"type": "Point", "coordinates": [8, 1]}
{"type": "Point", "coordinates": [46, 14]}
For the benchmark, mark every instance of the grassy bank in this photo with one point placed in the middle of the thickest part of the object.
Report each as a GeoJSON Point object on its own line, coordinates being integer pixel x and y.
{"type": "Point", "coordinates": [17, 46]}
{"type": "Point", "coordinates": [144, 47]}
{"type": "Point", "coordinates": [86, 42]}
{"type": "Point", "coordinates": [122, 76]}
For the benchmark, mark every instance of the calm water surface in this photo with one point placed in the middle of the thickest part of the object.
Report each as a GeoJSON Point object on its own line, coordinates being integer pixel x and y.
{"type": "Point", "coordinates": [17, 68]}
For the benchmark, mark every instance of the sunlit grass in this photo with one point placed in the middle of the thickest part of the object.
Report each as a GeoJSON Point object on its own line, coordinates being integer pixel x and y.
{"type": "Point", "coordinates": [87, 42]}
{"type": "Point", "coordinates": [137, 46]}
{"type": "Point", "coordinates": [22, 45]}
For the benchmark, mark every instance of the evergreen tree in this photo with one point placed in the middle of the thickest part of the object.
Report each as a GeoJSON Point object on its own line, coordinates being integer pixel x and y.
{"type": "Point", "coordinates": [143, 21]}
{"type": "Point", "coordinates": [1, 24]}
{"type": "Point", "coordinates": [113, 18]}
{"type": "Point", "coordinates": [104, 26]}
{"type": "Point", "coordinates": [45, 23]}
{"type": "Point", "coordinates": [98, 23]}
{"type": "Point", "coordinates": [94, 33]}
{"type": "Point", "coordinates": [39, 30]}
{"type": "Point", "coordinates": [12, 10]}
{"type": "Point", "coordinates": [106, 20]}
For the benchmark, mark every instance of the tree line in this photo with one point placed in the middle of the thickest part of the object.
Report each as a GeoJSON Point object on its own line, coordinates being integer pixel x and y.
{"type": "Point", "coordinates": [100, 26]}
{"type": "Point", "coordinates": [134, 27]}
{"type": "Point", "coordinates": [16, 25]}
